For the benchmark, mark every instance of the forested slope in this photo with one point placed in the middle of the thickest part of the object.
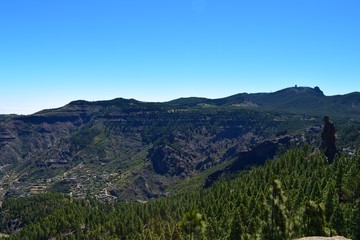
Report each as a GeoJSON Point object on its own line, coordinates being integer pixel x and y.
{"type": "Point", "coordinates": [297, 194]}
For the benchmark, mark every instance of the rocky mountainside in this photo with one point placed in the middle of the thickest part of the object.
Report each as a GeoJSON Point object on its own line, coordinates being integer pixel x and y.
{"type": "Point", "coordinates": [126, 149]}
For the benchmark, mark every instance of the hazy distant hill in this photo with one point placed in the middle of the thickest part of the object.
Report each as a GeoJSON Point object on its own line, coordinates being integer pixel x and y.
{"type": "Point", "coordinates": [297, 100]}
{"type": "Point", "coordinates": [127, 149]}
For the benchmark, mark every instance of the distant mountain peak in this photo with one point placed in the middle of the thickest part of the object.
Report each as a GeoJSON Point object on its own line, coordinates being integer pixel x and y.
{"type": "Point", "coordinates": [301, 90]}
{"type": "Point", "coordinates": [317, 89]}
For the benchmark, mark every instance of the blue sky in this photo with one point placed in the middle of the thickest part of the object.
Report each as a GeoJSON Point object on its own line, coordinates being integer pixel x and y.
{"type": "Point", "coordinates": [53, 52]}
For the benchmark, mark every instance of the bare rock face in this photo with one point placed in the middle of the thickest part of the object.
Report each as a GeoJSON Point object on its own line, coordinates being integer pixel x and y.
{"type": "Point", "coordinates": [256, 156]}
{"type": "Point", "coordinates": [168, 161]}
{"type": "Point", "coordinates": [5, 136]}
{"type": "Point", "coordinates": [265, 150]}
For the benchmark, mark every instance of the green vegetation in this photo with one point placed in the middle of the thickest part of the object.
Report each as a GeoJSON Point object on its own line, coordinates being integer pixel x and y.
{"type": "Point", "coordinates": [129, 153]}
{"type": "Point", "coordinates": [297, 194]}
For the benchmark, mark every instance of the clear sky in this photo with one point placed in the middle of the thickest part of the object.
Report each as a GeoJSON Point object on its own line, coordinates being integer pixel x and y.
{"type": "Point", "coordinates": [56, 51]}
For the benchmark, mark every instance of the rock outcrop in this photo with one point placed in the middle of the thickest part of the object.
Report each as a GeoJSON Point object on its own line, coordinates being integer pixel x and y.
{"type": "Point", "coordinates": [168, 161]}
{"type": "Point", "coordinates": [5, 136]}
{"type": "Point", "coordinates": [256, 156]}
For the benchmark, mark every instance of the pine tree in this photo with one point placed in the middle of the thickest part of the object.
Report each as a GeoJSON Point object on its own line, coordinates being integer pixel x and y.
{"type": "Point", "coordinates": [329, 202]}
{"type": "Point", "coordinates": [313, 219]}
{"type": "Point", "coordinates": [275, 224]}
{"type": "Point", "coordinates": [193, 223]}
{"type": "Point", "coordinates": [236, 228]}
{"type": "Point", "coordinates": [339, 174]}
{"type": "Point", "coordinates": [355, 221]}
{"type": "Point", "coordinates": [315, 192]}
{"type": "Point", "coordinates": [337, 220]}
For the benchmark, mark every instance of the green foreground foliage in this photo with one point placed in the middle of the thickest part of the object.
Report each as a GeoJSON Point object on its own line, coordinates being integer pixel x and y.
{"type": "Point", "coordinates": [297, 194]}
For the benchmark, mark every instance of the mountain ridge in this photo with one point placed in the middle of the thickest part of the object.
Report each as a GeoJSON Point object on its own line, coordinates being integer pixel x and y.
{"type": "Point", "coordinates": [261, 97]}
{"type": "Point", "coordinates": [283, 99]}
{"type": "Point", "coordinates": [286, 99]}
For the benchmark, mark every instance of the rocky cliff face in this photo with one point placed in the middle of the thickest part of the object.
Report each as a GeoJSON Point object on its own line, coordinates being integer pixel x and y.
{"type": "Point", "coordinates": [263, 151]}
